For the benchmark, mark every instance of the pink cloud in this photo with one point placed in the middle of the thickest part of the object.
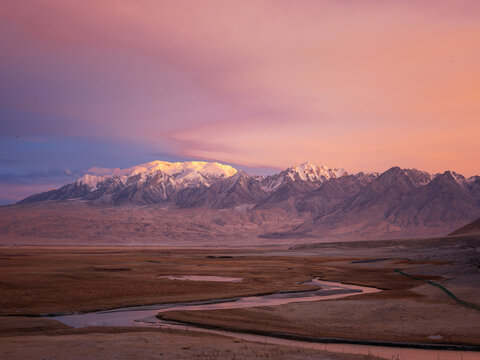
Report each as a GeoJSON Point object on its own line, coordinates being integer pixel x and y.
{"type": "Point", "coordinates": [358, 84]}
{"type": "Point", "coordinates": [14, 192]}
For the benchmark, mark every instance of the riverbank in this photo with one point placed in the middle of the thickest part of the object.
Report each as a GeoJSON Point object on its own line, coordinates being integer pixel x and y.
{"type": "Point", "coordinates": [42, 280]}
{"type": "Point", "coordinates": [38, 339]}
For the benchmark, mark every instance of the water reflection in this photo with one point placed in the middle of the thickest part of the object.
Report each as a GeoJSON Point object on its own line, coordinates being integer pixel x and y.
{"type": "Point", "coordinates": [145, 316]}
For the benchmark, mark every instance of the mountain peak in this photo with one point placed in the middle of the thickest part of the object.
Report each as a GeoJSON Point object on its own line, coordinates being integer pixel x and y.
{"type": "Point", "coordinates": [184, 167]}
{"type": "Point", "coordinates": [407, 200]}
{"type": "Point", "coordinates": [417, 177]}
{"type": "Point", "coordinates": [311, 172]}
{"type": "Point", "coordinates": [458, 177]}
{"type": "Point", "coordinates": [182, 172]}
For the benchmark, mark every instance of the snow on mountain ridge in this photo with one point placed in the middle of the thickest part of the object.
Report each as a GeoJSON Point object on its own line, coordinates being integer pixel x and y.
{"type": "Point", "coordinates": [91, 180]}
{"type": "Point", "coordinates": [185, 168]}
{"type": "Point", "coordinates": [306, 171]}
{"type": "Point", "coordinates": [203, 173]}
{"type": "Point", "coordinates": [184, 173]}
{"type": "Point", "coordinates": [311, 172]}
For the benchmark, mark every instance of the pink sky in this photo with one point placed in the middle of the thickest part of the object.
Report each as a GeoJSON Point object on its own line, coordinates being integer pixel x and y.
{"type": "Point", "coordinates": [363, 85]}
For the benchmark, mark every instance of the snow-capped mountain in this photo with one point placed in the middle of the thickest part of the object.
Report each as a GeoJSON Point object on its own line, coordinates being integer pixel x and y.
{"type": "Point", "coordinates": [150, 183]}
{"type": "Point", "coordinates": [335, 203]}
{"type": "Point", "coordinates": [312, 172]}
{"type": "Point", "coordinates": [183, 174]}
{"type": "Point", "coordinates": [185, 184]}
{"type": "Point", "coordinates": [398, 201]}
{"type": "Point", "coordinates": [305, 172]}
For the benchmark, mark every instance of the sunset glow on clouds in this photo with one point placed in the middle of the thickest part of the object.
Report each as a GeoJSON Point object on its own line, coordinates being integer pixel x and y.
{"type": "Point", "coordinates": [363, 85]}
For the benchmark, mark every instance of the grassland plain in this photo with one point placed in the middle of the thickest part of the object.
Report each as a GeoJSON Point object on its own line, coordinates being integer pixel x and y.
{"type": "Point", "coordinates": [131, 343]}
{"type": "Point", "coordinates": [40, 280]}
{"type": "Point", "coordinates": [36, 280]}
{"type": "Point", "coordinates": [406, 311]}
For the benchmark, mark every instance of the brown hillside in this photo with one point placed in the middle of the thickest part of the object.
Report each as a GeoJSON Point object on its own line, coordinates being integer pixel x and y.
{"type": "Point", "coordinates": [472, 228]}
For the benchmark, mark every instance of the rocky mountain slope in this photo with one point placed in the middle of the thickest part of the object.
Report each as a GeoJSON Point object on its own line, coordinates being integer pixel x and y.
{"type": "Point", "coordinates": [188, 184]}
{"type": "Point", "coordinates": [398, 202]}
{"type": "Point", "coordinates": [322, 203]}
{"type": "Point", "coordinates": [472, 228]}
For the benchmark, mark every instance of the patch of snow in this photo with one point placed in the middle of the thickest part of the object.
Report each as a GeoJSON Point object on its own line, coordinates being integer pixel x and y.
{"type": "Point", "coordinates": [460, 179]}
{"type": "Point", "coordinates": [183, 169]}
{"type": "Point", "coordinates": [270, 183]}
{"type": "Point", "coordinates": [472, 179]}
{"type": "Point", "coordinates": [188, 173]}
{"type": "Point", "coordinates": [91, 180]}
{"type": "Point", "coordinates": [427, 180]}
{"type": "Point", "coordinates": [311, 172]}
{"type": "Point", "coordinates": [306, 172]}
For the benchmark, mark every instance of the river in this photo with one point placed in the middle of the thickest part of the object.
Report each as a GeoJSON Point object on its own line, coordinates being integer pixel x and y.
{"type": "Point", "coordinates": [145, 316]}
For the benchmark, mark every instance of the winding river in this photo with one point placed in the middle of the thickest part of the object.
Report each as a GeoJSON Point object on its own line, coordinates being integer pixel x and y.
{"type": "Point", "coordinates": [145, 316]}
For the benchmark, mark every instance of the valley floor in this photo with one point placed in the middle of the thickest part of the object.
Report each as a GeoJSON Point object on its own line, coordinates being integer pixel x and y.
{"type": "Point", "coordinates": [41, 280]}
{"type": "Point", "coordinates": [128, 343]}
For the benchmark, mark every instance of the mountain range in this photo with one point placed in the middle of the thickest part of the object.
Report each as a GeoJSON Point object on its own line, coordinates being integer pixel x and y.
{"type": "Point", "coordinates": [325, 203]}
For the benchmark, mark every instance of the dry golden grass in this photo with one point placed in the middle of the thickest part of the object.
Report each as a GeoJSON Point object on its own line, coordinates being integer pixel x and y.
{"type": "Point", "coordinates": [30, 338]}
{"type": "Point", "coordinates": [388, 320]}
{"type": "Point", "coordinates": [37, 280]}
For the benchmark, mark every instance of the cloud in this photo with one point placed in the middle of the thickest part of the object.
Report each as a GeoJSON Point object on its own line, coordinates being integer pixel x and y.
{"type": "Point", "coordinates": [355, 84]}
{"type": "Point", "coordinates": [39, 177]}
{"type": "Point", "coordinates": [99, 171]}
{"type": "Point", "coordinates": [11, 193]}
{"type": "Point", "coordinates": [8, 161]}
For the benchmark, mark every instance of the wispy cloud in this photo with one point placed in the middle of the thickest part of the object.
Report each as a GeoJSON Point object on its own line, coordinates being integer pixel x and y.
{"type": "Point", "coordinates": [358, 84]}
{"type": "Point", "coordinates": [39, 177]}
